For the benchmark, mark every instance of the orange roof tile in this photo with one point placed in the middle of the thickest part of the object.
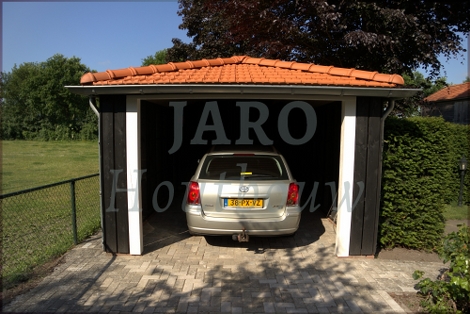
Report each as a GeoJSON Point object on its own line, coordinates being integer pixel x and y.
{"type": "Point", "coordinates": [242, 70]}
{"type": "Point", "coordinates": [451, 92]}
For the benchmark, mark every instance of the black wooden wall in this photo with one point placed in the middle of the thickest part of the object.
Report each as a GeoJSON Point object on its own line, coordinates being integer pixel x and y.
{"type": "Point", "coordinates": [365, 215]}
{"type": "Point", "coordinates": [156, 131]}
{"type": "Point", "coordinates": [113, 160]}
{"type": "Point", "coordinates": [327, 151]}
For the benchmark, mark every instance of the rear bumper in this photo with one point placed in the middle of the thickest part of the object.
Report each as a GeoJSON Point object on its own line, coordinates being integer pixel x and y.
{"type": "Point", "coordinates": [198, 223]}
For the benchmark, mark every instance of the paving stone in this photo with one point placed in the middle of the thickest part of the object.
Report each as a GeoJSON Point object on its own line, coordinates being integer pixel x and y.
{"type": "Point", "coordinates": [187, 274]}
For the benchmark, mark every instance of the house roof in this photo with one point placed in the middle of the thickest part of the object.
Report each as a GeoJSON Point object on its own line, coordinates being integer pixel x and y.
{"type": "Point", "coordinates": [459, 91]}
{"type": "Point", "coordinates": [242, 70]}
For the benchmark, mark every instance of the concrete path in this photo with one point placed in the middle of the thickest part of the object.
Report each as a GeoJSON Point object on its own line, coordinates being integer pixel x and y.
{"type": "Point", "coordinates": [188, 274]}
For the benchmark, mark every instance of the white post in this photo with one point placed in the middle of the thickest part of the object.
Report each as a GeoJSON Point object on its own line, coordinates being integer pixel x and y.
{"type": "Point", "coordinates": [134, 175]}
{"type": "Point", "coordinates": [346, 177]}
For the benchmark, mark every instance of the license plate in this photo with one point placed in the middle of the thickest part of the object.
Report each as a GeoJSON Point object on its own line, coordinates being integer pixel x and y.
{"type": "Point", "coordinates": [234, 202]}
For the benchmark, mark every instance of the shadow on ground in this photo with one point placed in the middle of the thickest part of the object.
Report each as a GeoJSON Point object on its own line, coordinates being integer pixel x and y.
{"type": "Point", "coordinates": [165, 228]}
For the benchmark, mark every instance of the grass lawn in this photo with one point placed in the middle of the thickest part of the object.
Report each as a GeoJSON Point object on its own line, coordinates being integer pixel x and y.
{"type": "Point", "coordinates": [37, 226]}
{"type": "Point", "coordinates": [28, 164]}
{"type": "Point", "coordinates": [454, 212]}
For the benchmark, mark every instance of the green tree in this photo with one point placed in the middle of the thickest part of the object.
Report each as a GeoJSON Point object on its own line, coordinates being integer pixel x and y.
{"type": "Point", "coordinates": [158, 58]}
{"type": "Point", "coordinates": [18, 114]}
{"type": "Point", "coordinates": [429, 86]}
{"type": "Point", "coordinates": [410, 106]}
{"type": "Point", "coordinates": [37, 106]}
{"type": "Point", "coordinates": [385, 36]}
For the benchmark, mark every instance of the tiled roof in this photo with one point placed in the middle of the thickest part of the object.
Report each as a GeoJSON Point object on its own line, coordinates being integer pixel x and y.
{"type": "Point", "coordinates": [242, 70]}
{"type": "Point", "coordinates": [451, 92]}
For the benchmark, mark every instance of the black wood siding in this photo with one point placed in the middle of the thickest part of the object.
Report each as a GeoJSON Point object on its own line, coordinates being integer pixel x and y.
{"type": "Point", "coordinates": [364, 224]}
{"type": "Point", "coordinates": [113, 159]}
{"type": "Point", "coordinates": [156, 138]}
{"type": "Point", "coordinates": [329, 129]}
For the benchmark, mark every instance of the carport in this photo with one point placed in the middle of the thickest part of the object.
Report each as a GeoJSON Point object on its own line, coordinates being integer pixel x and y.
{"type": "Point", "coordinates": [157, 121]}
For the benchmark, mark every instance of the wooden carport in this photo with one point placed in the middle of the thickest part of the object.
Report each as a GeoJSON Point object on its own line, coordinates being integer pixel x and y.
{"type": "Point", "coordinates": [145, 112]}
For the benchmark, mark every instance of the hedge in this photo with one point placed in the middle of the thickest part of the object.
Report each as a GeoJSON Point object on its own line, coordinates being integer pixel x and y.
{"type": "Point", "coordinates": [420, 175]}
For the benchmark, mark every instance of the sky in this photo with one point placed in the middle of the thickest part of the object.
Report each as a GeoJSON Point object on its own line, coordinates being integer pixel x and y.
{"type": "Point", "coordinates": [104, 35]}
{"type": "Point", "coordinates": [110, 35]}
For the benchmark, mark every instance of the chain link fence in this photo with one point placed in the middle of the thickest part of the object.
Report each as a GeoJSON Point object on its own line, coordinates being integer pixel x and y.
{"type": "Point", "coordinates": [44, 222]}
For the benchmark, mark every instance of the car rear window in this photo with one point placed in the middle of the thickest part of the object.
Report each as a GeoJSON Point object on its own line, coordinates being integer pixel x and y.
{"type": "Point", "coordinates": [233, 167]}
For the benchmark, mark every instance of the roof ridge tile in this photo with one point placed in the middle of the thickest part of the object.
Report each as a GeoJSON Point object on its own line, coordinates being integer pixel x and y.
{"type": "Point", "coordinates": [253, 61]}
{"type": "Point", "coordinates": [324, 69]}
{"type": "Point", "coordinates": [154, 68]}
{"type": "Point", "coordinates": [216, 62]}
{"type": "Point", "coordinates": [111, 74]}
{"type": "Point", "coordinates": [302, 66]}
{"type": "Point", "coordinates": [133, 71]}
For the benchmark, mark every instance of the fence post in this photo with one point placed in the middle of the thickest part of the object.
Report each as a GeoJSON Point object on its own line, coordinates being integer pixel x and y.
{"type": "Point", "coordinates": [74, 211]}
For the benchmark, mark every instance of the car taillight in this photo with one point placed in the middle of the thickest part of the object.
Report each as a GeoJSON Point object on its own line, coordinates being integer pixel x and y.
{"type": "Point", "coordinates": [193, 194]}
{"type": "Point", "coordinates": [293, 195]}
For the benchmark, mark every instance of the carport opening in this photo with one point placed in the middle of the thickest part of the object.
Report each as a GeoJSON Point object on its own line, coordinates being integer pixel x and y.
{"type": "Point", "coordinates": [314, 163]}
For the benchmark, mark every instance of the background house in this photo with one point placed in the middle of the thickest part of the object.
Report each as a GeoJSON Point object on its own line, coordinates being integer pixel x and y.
{"type": "Point", "coordinates": [451, 103]}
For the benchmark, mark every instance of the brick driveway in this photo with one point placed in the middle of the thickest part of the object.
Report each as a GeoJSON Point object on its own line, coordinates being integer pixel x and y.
{"type": "Point", "coordinates": [181, 273]}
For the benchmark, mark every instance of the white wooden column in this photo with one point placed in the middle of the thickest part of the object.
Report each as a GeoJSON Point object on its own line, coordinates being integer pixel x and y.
{"type": "Point", "coordinates": [346, 176]}
{"type": "Point", "coordinates": [134, 176]}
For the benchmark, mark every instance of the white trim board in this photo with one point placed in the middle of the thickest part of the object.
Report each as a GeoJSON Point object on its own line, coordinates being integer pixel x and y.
{"type": "Point", "coordinates": [346, 177]}
{"type": "Point", "coordinates": [134, 176]}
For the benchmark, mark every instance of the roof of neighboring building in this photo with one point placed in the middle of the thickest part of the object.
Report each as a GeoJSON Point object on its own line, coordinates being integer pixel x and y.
{"type": "Point", "coordinates": [242, 70]}
{"type": "Point", "coordinates": [459, 91]}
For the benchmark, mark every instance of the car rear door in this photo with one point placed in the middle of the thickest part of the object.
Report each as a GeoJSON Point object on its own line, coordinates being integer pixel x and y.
{"type": "Point", "coordinates": [244, 186]}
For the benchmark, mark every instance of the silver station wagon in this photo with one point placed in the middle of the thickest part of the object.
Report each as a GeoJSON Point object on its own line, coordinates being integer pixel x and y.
{"type": "Point", "coordinates": [242, 192]}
